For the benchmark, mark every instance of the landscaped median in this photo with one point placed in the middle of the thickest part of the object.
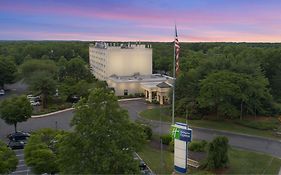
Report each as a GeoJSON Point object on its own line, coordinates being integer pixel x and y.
{"type": "Point", "coordinates": [226, 125]}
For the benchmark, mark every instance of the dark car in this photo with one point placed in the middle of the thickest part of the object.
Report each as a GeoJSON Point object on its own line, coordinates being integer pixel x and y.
{"type": "Point", "coordinates": [19, 136]}
{"type": "Point", "coordinates": [19, 144]}
{"type": "Point", "coordinates": [73, 99]}
{"type": "Point", "coordinates": [142, 165]}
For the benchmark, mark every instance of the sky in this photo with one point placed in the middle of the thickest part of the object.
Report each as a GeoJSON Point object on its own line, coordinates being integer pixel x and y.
{"type": "Point", "coordinates": [141, 20]}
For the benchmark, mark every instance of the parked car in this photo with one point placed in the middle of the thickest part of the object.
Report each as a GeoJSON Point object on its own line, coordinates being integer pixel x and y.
{"type": "Point", "coordinates": [2, 92]}
{"type": "Point", "coordinates": [29, 96]}
{"type": "Point", "coordinates": [16, 144]}
{"type": "Point", "coordinates": [73, 99]}
{"type": "Point", "coordinates": [142, 165]}
{"type": "Point", "coordinates": [35, 103]}
{"type": "Point", "coordinates": [18, 136]}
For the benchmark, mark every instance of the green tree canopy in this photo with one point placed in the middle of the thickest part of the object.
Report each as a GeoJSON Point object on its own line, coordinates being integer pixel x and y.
{"type": "Point", "coordinates": [43, 83]}
{"type": "Point", "coordinates": [104, 139]}
{"type": "Point", "coordinates": [8, 159]}
{"type": "Point", "coordinates": [41, 151]}
{"type": "Point", "coordinates": [225, 90]}
{"type": "Point", "coordinates": [30, 68]}
{"type": "Point", "coordinates": [7, 71]}
{"type": "Point", "coordinates": [76, 69]}
{"type": "Point", "coordinates": [15, 109]}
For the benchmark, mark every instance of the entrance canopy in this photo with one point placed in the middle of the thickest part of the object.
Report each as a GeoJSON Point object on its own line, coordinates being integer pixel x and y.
{"type": "Point", "coordinates": [156, 91]}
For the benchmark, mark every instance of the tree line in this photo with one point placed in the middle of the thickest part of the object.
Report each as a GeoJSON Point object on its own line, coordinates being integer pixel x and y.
{"type": "Point", "coordinates": [224, 79]}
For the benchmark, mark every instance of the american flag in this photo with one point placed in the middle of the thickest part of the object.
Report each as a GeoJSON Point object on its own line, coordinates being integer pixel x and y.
{"type": "Point", "coordinates": [177, 52]}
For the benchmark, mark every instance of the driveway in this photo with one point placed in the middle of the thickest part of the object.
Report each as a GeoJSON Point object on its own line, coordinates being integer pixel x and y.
{"type": "Point", "coordinates": [62, 121]}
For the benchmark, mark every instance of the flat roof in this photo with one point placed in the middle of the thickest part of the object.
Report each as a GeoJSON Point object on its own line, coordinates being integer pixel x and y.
{"type": "Point", "coordinates": [140, 78]}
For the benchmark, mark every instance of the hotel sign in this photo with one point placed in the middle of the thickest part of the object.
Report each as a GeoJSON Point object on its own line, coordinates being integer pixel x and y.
{"type": "Point", "coordinates": [181, 135]}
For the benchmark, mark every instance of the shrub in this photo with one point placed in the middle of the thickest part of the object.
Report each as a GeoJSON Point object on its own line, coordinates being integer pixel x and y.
{"type": "Point", "coordinates": [197, 146]}
{"type": "Point", "coordinates": [139, 94]}
{"type": "Point", "coordinates": [166, 139]}
{"type": "Point", "coordinates": [217, 153]}
{"type": "Point", "coordinates": [147, 131]}
{"type": "Point", "coordinates": [154, 101]}
{"type": "Point", "coordinates": [171, 146]}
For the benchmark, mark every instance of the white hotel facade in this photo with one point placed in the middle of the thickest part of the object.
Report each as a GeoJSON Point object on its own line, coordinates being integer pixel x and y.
{"type": "Point", "coordinates": [128, 69]}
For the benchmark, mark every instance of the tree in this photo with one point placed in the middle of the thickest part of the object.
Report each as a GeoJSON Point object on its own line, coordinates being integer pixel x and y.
{"type": "Point", "coordinates": [219, 90]}
{"type": "Point", "coordinates": [7, 71]}
{"type": "Point", "coordinates": [61, 68]}
{"type": "Point", "coordinates": [15, 109]}
{"type": "Point", "coordinates": [44, 84]}
{"type": "Point", "coordinates": [104, 139]}
{"type": "Point", "coordinates": [41, 151]}
{"type": "Point", "coordinates": [30, 68]}
{"type": "Point", "coordinates": [229, 93]}
{"type": "Point", "coordinates": [8, 159]}
{"type": "Point", "coordinates": [77, 70]}
{"type": "Point", "coordinates": [218, 153]}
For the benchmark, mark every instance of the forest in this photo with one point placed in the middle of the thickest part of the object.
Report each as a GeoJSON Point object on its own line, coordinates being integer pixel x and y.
{"type": "Point", "coordinates": [226, 80]}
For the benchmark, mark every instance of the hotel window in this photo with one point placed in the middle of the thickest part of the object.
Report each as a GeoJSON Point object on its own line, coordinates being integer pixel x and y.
{"type": "Point", "coordinates": [125, 92]}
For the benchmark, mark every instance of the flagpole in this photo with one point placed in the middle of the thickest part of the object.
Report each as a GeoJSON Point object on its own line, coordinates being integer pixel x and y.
{"type": "Point", "coordinates": [174, 83]}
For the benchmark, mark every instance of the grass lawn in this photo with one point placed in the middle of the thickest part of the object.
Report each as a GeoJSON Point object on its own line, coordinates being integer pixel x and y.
{"type": "Point", "coordinates": [156, 113]}
{"type": "Point", "coordinates": [152, 158]}
{"type": "Point", "coordinates": [245, 162]}
{"type": "Point", "coordinates": [241, 162]}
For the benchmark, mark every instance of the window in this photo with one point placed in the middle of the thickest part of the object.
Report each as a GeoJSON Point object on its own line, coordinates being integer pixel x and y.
{"type": "Point", "coordinates": [125, 92]}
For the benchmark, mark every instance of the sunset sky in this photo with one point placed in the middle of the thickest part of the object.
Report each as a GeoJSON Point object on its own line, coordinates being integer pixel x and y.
{"type": "Point", "coordinates": [141, 20]}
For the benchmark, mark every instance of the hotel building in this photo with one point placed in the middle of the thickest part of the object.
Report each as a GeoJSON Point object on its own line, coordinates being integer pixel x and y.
{"type": "Point", "coordinates": [128, 69]}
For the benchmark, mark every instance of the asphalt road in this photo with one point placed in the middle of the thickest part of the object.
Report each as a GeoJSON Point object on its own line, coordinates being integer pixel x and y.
{"type": "Point", "coordinates": [62, 121]}
{"type": "Point", "coordinates": [264, 145]}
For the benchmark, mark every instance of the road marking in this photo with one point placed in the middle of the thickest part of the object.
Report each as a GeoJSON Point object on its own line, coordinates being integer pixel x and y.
{"type": "Point", "coordinates": [21, 160]}
{"type": "Point", "coordinates": [21, 165]}
{"type": "Point", "coordinates": [19, 155]}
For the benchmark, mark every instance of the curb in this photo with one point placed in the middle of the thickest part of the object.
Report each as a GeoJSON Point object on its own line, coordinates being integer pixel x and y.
{"type": "Point", "coordinates": [52, 113]}
{"type": "Point", "coordinates": [69, 109]}
{"type": "Point", "coordinates": [129, 99]}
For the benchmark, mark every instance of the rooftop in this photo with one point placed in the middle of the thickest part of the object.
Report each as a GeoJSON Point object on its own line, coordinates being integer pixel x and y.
{"type": "Point", "coordinates": [163, 85]}
{"type": "Point", "coordinates": [122, 45]}
{"type": "Point", "coordinates": [140, 78]}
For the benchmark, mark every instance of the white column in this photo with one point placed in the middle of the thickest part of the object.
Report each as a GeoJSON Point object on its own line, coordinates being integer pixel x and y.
{"type": "Point", "coordinates": [161, 100]}
{"type": "Point", "coordinates": [150, 96]}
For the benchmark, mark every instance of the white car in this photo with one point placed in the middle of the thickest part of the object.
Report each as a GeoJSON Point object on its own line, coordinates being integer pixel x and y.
{"type": "Point", "coordinates": [35, 103]}
{"type": "Point", "coordinates": [2, 92]}
{"type": "Point", "coordinates": [29, 96]}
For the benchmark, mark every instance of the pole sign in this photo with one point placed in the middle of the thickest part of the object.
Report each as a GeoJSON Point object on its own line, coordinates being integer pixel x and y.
{"type": "Point", "coordinates": [181, 135]}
